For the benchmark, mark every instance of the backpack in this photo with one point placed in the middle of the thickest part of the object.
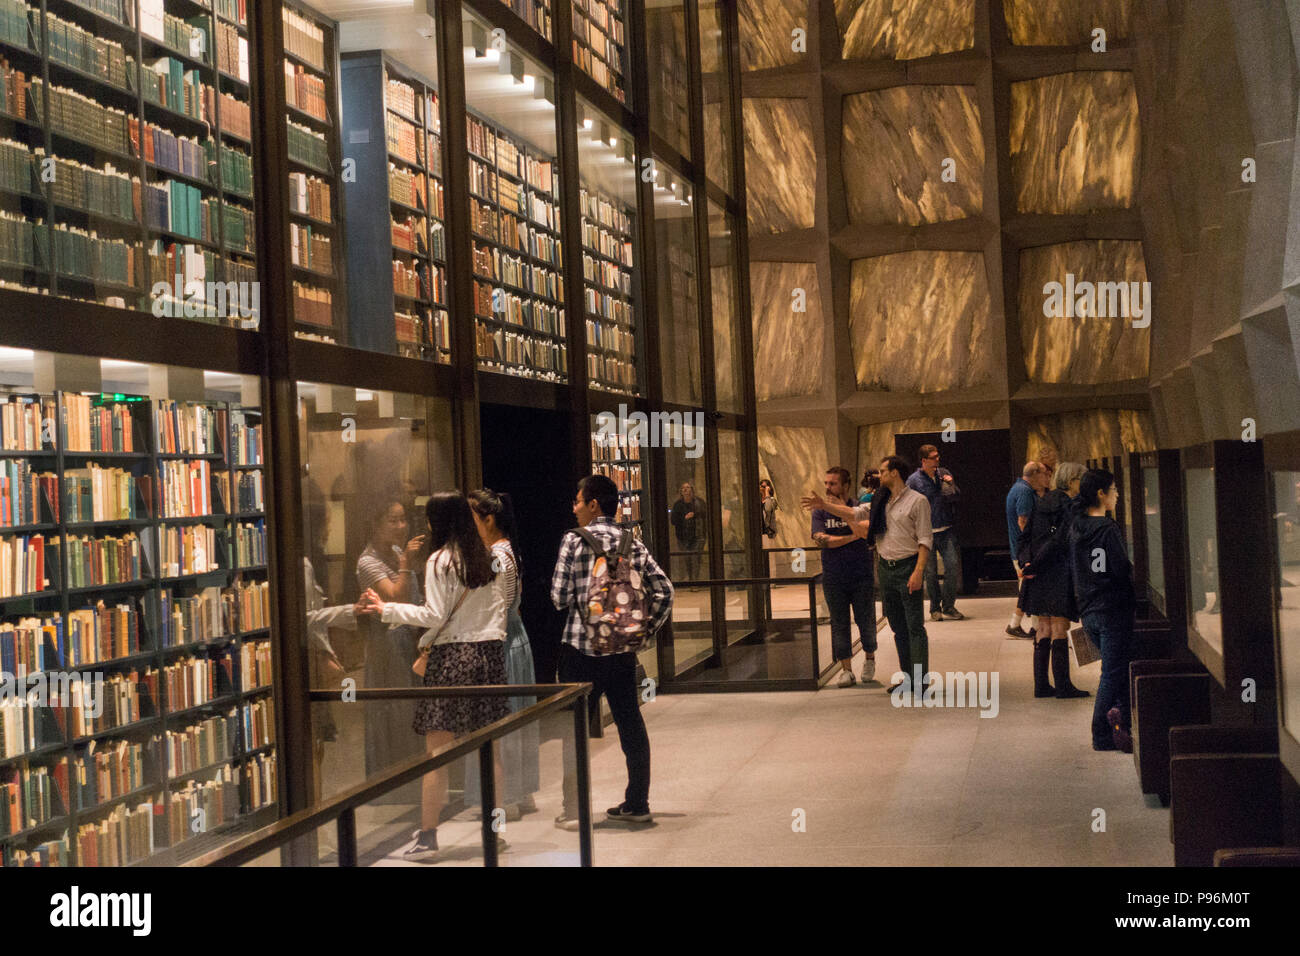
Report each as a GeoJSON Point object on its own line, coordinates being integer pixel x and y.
{"type": "Point", "coordinates": [617, 609]}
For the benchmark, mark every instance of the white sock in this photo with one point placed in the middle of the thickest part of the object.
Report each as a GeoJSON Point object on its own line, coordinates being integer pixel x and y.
{"type": "Point", "coordinates": [1015, 618]}
{"type": "Point", "coordinates": [1030, 622]}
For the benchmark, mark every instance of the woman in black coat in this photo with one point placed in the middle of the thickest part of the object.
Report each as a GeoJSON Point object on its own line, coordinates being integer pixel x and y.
{"type": "Point", "coordinates": [1048, 589]}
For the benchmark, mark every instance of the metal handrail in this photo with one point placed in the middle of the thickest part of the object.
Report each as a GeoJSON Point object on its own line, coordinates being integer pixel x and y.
{"type": "Point", "coordinates": [342, 807]}
{"type": "Point", "coordinates": [741, 582]}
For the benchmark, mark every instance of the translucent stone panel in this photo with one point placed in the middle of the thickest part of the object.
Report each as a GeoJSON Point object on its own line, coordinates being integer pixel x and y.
{"type": "Point", "coordinates": [904, 29]}
{"type": "Point", "coordinates": [1074, 142]}
{"type": "Point", "coordinates": [795, 460]}
{"type": "Point", "coordinates": [876, 441]}
{"type": "Point", "coordinates": [1065, 22]}
{"type": "Point", "coordinates": [767, 33]}
{"type": "Point", "coordinates": [787, 343]}
{"type": "Point", "coordinates": [780, 165]}
{"type": "Point", "coordinates": [893, 297]}
{"type": "Point", "coordinates": [1091, 433]}
{"type": "Point", "coordinates": [895, 143]}
{"type": "Point", "coordinates": [1105, 275]}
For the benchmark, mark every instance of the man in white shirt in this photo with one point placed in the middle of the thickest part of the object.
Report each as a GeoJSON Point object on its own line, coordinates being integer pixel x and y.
{"type": "Point", "coordinates": [900, 526]}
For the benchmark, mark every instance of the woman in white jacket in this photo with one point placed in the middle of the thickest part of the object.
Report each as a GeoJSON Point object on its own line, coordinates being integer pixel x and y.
{"type": "Point", "coordinates": [464, 616]}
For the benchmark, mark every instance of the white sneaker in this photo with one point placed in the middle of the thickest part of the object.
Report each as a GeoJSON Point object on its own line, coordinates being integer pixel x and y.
{"type": "Point", "coordinates": [868, 669]}
{"type": "Point", "coordinates": [846, 679]}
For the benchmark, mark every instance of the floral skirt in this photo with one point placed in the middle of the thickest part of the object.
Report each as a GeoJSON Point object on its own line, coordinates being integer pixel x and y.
{"type": "Point", "coordinates": [464, 664]}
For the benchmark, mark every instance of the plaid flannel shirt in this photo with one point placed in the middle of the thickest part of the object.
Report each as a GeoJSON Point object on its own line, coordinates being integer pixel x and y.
{"type": "Point", "coordinates": [572, 579]}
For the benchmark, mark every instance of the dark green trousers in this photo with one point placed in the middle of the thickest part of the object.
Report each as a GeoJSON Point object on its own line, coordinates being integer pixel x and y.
{"type": "Point", "coordinates": [905, 611]}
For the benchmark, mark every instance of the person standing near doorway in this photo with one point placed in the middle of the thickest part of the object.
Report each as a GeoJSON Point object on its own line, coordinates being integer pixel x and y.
{"type": "Point", "coordinates": [613, 675]}
{"type": "Point", "coordinates": [900, 526]}
{"type": "Point", "coordinates": [689, 526]}
{"type": "Point", "coordinates": [941, 491]}
{"type": "Point", "coordinates": [1020, 505]}
{"type": "Point", "coordinates": [840, 530]}
{"type": "Point", "coordinates": [768, 506]}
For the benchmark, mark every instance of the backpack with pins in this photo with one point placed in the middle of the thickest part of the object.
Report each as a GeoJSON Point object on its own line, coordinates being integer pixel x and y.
{"type": "Point", "coordinates": [617, 619]}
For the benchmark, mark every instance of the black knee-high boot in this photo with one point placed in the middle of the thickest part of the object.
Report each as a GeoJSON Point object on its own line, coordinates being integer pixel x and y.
{"type": "Point", "coordinates": [1061, 670]}
{"type": "Point", "coordinates": [1042, 651]}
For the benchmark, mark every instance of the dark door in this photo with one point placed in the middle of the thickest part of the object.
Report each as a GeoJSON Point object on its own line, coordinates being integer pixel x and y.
{"type": "Point", "coordinates": [524, 453]}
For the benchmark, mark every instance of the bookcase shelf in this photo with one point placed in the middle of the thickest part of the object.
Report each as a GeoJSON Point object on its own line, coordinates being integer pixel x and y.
{"type": "Point", "coordinates": [405, 310]}
{"type": "Point", "coordinates": [47, 630]}
{"type": "Point", "coordinates": [608, 301]}
{"type": "Point", "coordinates": [600, 43]}
{"type": "Point", "coordinates": [519, 305]}
{"type": "Point", "coordinates": [125, 95]}
{"type": "Point", "coordinates": [618, 457]}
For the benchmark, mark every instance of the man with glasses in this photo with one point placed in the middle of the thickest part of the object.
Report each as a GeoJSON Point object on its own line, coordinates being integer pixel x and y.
{"type": "Point", "coordinates": [941, 491]}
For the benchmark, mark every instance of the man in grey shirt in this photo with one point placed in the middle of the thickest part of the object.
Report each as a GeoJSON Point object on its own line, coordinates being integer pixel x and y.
{"type": "Point", "coordinates": [901, 528]}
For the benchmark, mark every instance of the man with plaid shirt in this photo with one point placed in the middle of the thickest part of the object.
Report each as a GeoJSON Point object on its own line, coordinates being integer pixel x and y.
{"type": "Point", "coordinates": [613, 675]}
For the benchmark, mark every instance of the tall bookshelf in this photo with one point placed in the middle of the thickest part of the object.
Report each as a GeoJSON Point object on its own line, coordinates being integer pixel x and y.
{"type": "Point", "coordinates": [519, 313]}
{"type": "Point", "coordinates": [536, 13]}
{"type": "Point", "coordinates": [617, 456]}
{"type": "Point", "coordinates": [396, 240]}
{"type": "Point", "coordinates": [670, 108]}
{"type": "Point", "coordinates": [127, 157]}
{"type": "Point", "coordinates": [154, 576]}
{"type": "Point", "coordinates": [315, 164]}
{"type": "Point", "coordinates": [607, 262]}
{"type": "Point", "coordinates": [600, 43]}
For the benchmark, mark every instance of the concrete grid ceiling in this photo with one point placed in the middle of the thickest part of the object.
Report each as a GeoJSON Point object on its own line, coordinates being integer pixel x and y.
{"type": "Point", "coordinates": [919, 173]}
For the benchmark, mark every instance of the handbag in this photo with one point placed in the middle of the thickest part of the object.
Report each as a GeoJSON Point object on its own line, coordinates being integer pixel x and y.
{"type": "Point", "coordinates": [1086, 650]}
{"type": "Point", "coordinates": [421, 663]}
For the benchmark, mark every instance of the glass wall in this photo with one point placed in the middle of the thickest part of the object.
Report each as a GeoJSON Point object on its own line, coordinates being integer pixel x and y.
{"type": "Point", "coordinates": [600, 43]}
{"type": "Point", "coordinates": [728, 349]}
{"type": "Point", "coordinates": [1286, 511]}
{"type": "Point", "coordinates": [126, 159]}
{"type": "Point", "coordinates": [668, 67]}
{"type": "Point", "coordinates": [608, 197]}
{"type": "Point", "coordinates": [715, 66]}
{"type": "Point", "coordinates": [1203, 557]}
{"type": "Point", "coordinates": [1155, 540]}
{"type": "Point", "coordinates": [679, 316]}
{"type": "Point", "coordinates": [136, 596]}
{"type": "Point", "coordinates": [519, 296]}
{"type": "Point", "coordinates": [371, 459]}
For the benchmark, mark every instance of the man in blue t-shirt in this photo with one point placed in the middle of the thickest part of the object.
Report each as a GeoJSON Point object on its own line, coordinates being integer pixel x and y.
{"type": "Point", "coordinates": [1020, 504]}
{"type": "Point", "coordinates": [846, 571]}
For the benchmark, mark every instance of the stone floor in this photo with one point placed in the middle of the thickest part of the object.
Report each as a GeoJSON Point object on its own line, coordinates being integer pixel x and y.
{"type": "Point", "coordinates": [734, 775]}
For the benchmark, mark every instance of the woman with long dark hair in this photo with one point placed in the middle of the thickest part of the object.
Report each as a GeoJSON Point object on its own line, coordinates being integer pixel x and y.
{"type": "Point", "coordinates": [494, 514]}
{"type": "Point", "coordinates": [389, 564]}
{"type": "Point", "coordinates": [465, 619]}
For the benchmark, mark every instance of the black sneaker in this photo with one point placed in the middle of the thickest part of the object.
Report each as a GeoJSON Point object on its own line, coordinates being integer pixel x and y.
{"type": "Point", "coordinates": [424, 847]}
{"type": "Point", "coordinates": [625, 813]}
{"type": "Point", "coordinates": [1018, 632]}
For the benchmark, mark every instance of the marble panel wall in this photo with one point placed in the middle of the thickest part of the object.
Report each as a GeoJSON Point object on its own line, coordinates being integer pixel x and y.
{"type": "Point", "coordinates": [795, 460]}
{"type": "Point", "coordinates": [894, 145]}
{"type": "Point", "coordinates": [780, 165]}
{"type": "Point", "coordinates": [1091, 433]}
{"type": "Point", "coordinates": [919, 321]}
{"type": "Point", "coordinates": [877, 440]}
{"type": "Point", "coordinates": [767, 33]}
{"type": "Point", "coordinates": [1065, 22]}
{"type": "Point", "coordinates": [788, 345]}
{"type": "Point", "coordinates": [904, 29]}
{"type": "Point", "coordinates": [1074, 142]}
{"type": "Point", "coordinates": [1082, 351]}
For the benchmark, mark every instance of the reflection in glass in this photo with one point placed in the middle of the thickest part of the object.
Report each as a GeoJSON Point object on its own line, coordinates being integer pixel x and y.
{"type": "Point", "coordinates": [716, 77]}
{"type": "Point", "coordinates": [1203, 557]}
{"type": "Point", "coordinates": [727, 345]}
{"type": "Point", "coordinates": [1155, 541]}
{"type": "Point", "coordinates": [1286, 514]}
{"type": "Point", "coordinates": [666, 58]}
{"type": "Point", "coordinates": [370, 459]}
{"type": "Point", "coordinates": [679, 317]}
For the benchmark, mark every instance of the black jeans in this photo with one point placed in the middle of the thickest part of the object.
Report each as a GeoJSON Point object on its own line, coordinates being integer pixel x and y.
{"type": "Point", "coordinates": [859, 596]}
{"type": "Point", "coordinates": [906, 613]}
{"type": "Point", "coordinates": [615, 677]}
{"type": "Point", "coordinates": [1113, 631]}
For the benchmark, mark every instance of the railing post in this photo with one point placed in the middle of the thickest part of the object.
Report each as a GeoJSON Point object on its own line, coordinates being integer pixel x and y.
{"type": "Point", "coordinates": [488, 788]}
{"type": "Point", "coordinates": [812, 620]}
{"type": "Point", "coordinates": [347, 830]}
{"type": "Point", "coordinates": [583, 761]}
